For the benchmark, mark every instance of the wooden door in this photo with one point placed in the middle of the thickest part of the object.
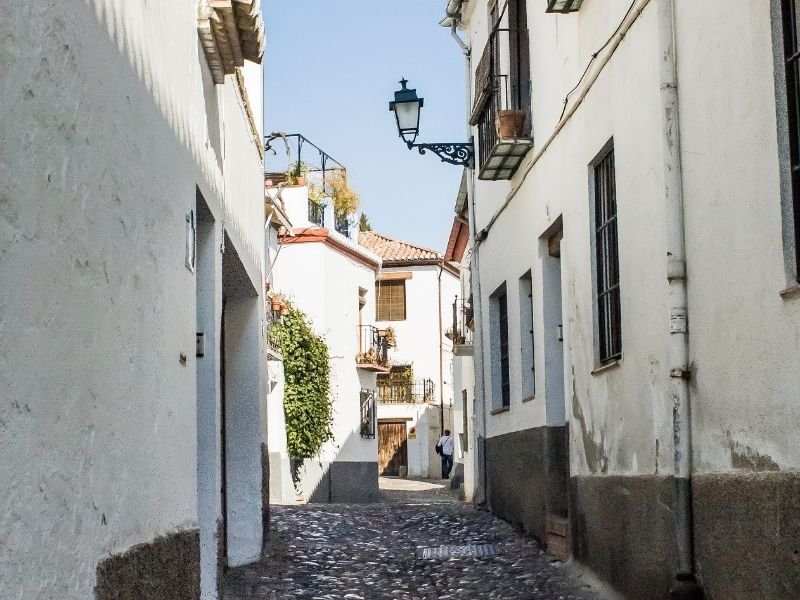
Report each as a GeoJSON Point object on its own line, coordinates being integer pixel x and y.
{"type": "Point", "coordinates": [392, 447]}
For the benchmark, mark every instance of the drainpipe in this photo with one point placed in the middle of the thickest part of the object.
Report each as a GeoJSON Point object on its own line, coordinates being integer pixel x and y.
{"type": "Point", "coordinates": [685, 585]}
{"type": "Point", "coordinates": [454, 16]}
{"type": "Point", "coordinates": [441, 355]}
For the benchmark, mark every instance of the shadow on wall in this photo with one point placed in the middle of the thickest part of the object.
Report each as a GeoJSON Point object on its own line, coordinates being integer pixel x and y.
{"type": "Point", "coordinates": [341, 481]}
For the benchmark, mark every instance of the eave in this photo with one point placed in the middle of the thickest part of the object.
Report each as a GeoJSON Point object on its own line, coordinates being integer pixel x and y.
{"type": "Point", "coordinates": [230, 32]}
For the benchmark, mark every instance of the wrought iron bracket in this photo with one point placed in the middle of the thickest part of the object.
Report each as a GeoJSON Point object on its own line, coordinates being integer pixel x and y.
{"type": "Point", "coordinates": [460, 154]}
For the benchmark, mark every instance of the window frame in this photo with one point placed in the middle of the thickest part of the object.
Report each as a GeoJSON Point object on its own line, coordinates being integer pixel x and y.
{"type": "Point", "coordinates": [527, 339]}
{"type": "Point", "coordinates": [787, 59]}
{"type": "Point", "coordinates": [500, 351]}
{"type": "Point", "coordinates": [379, 316]}
{"type": "Point", "coordinates": [606, 257]}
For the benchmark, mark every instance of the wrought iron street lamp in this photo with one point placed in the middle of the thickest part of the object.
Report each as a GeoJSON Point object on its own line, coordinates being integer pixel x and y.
{"type": "Point", "coordinates": [407, 107]}
{"type": "Point", "coordinates": [563, 6]}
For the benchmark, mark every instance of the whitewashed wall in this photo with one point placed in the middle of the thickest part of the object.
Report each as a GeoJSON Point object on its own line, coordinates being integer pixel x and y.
{"type": "Point", "coordinates": [325, 283]}
{"type": "Point", "coordinates": [745, 338]}
{"type": "Point", "coordinates": [105, 140]}
{"type": "Point", "coordinates": [558, 186]}
{"type": "Point", "coordinates": [418, 343]}
{"type": "Point", "coordinates": [743, 333]}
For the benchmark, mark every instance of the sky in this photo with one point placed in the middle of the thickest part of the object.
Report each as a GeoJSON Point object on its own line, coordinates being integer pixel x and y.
{"type": "Point", "coordinates": [330, 70]}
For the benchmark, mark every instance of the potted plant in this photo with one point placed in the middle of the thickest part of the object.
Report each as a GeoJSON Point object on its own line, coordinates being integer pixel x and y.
{"type": "Point", "coordinates": [297, 173]}
{"type": "Point", "coordinates": [391, 338]}
{"type": "Point", "coordinates": [277, 302]}
{"type": "Point", "coordinates": [510, 123]}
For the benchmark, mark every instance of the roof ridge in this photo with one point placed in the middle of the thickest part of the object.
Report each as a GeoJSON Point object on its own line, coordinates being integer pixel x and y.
{"type": "Point", "coordinates": [417, 246]}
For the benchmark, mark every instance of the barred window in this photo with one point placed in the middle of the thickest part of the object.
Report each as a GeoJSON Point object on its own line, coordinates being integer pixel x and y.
{"type": "Point", "coordinates": [368, 414]}
{"type": "Point", "coordinates": [609, 310]}
{"type": "Point", "coordinates": [390, 300]}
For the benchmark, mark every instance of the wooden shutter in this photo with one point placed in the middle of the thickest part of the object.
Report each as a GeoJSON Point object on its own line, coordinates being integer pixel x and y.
{"type": "Point", "coordinates": [390, 300]}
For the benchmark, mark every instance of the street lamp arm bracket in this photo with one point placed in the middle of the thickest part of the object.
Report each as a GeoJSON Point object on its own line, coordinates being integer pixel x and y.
{"type": "Point", "coordinates": [460, 154]}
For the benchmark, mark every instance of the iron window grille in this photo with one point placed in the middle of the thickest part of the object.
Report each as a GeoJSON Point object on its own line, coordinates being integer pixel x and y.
{"type": "Point", "coordinates": [368, 414]}
{"type": "Point", "coordinates": [505, 379]}
{"type": "Point", "coordinates": [791, 33]}
{"type": "Point", "coordinates": [607, 260]}
{"type": "Point", "coordinates": [316, 213]}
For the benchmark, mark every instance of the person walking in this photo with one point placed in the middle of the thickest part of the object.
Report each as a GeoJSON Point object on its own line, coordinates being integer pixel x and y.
{"type": "Point", "coordinates": [445, 448]}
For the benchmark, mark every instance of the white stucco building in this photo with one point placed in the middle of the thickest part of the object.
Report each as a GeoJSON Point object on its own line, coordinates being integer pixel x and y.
{"type": "Point", "coordinates": [331, 279]}
{"type": "Point", "coordinates": [634, 284]}
{"type": "Point", "coordinates": [414, 295]}
{"type": "Point", "coordinates": [131, 303]}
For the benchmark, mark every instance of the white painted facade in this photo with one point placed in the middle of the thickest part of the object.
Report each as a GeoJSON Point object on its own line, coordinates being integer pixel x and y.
{"type": "Point", "coordinates": [112, 130]}
{"type": "Point", "coordinates": [421, 343]}
{"type": "Point", "coordinates": [743, 325]}
{"type": "Point", "coordinates": [556, 187]}
{"type": "Point", "coordinates": [323, 278]}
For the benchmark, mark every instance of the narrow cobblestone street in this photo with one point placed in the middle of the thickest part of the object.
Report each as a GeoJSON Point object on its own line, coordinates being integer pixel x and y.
{"type": "Point", "coordinates": [381, 551]}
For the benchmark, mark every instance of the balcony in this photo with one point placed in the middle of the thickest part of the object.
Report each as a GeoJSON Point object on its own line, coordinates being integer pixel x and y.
{"type": "Point", "coordinates": [373, 349]}
{"type": "Point", "coordinates": [394, 391]}
{"type": "Point", "coordinates": [501, 110]}
{"type": "Point", "coordinates": [460, 332]}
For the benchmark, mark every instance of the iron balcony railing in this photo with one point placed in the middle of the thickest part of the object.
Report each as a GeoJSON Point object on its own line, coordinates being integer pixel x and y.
{"type": "Point", "coordinates": [502, 89]}
{"type": "Point", "coordinates": [316, 213]}
{"type": "Point", "coordinates": [373, 346]}
{"type": "Point", "coordinates": [460, 332]}
{"type": "Point", "coordinates": [411, 392]}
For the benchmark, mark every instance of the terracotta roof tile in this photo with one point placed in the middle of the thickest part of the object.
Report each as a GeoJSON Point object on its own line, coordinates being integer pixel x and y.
{"type": "Point", "coordinates": [395, 251]}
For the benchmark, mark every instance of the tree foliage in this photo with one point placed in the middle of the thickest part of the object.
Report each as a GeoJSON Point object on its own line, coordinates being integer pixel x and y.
{"type": "Point", "coordinates": [363, 223]}
{"type": "Point", "coordinates": [306, 398]}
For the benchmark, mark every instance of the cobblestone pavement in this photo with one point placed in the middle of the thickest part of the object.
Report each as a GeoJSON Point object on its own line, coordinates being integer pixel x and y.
{"type": "Point", "coordinates": [375, 552]}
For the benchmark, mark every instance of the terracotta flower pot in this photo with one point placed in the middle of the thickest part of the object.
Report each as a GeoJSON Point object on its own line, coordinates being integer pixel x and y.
{"type": "Point", "coordinates": [276, 306]}
{"type": "Point", "coordinates": [301, 180]}
{"type": "Point", "coordinates": [510, 123]}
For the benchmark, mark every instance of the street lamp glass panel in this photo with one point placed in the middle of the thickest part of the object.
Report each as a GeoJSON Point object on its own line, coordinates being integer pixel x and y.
{"type": "Point", "coordinates": [406, 107]}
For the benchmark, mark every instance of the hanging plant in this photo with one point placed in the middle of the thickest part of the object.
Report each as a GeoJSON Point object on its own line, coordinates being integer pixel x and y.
{"type": "Point", "coordinates": [306, 398]}
{"type": "Point", "coordinates": [345, 199]}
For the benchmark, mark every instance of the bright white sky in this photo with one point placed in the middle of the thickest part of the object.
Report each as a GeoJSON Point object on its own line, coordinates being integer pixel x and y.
{"type": "Point", "coordinates": [330, 71]}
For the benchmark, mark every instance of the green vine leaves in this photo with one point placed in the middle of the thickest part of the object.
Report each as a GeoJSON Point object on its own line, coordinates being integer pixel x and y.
{"type": "Point", "coordinates": [307, 402]}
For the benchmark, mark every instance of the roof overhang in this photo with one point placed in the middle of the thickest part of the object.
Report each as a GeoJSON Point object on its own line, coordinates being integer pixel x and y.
{"type": "Point", "coordinates": [230, 31]}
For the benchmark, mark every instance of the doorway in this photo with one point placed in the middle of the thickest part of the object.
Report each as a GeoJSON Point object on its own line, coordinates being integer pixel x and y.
{"type": "Point", "coordinates": [392, 447]}
{"type": "Point", "coordinates": [557, 435]}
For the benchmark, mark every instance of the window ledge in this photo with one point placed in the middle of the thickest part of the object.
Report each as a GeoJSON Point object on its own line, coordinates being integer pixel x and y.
{"type": "Point", "coordinates": [502, 409]}
{"type": "Point", "coordinates": [529, 398]}
{"type": "Point", "coordinates": [792, 291]}
{"type": "Point", "coordinates": [608, 367]}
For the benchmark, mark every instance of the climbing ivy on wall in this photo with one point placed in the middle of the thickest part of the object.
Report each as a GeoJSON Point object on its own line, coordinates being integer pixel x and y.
{"type": "Point", "coordinates": [306, 397]}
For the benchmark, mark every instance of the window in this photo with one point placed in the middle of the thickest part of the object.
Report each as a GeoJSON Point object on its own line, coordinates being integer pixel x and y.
{"type": "Point", "coordinates": [391, 300]}
{"type": "Point", "coordinates": [791, 33]}
{"type": "Point", "coordinates": [609, 312]}
{"type": "Point", "coordinates": [464, 422]}
{"type": "Point", "coordinates": [528, 373]}
{"type": "Point", "coordinates": [368, 414]}
{"type": "Point", "coordinates": [501, 385]}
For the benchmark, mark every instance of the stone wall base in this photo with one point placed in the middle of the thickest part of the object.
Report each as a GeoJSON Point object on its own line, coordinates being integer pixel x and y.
{"type": "Point", "coordinates": [623, 528]}
{"type": "Point", "coordinates": [347, 482]}
{"type": "Point", "coordinates": [168, 567]}
{"type": "Point", "coordinates": [527, 477]}
{"type": "Point", "coordinates": [747, 535]}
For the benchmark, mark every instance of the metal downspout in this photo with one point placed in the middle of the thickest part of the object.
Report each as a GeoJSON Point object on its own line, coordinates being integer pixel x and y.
{"type": "Point", "coordinates": [479, 412]}
{"type": "Point", "coordinates": [441, 354]}
{"type": "Point", "coordinates": [685, 585]}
